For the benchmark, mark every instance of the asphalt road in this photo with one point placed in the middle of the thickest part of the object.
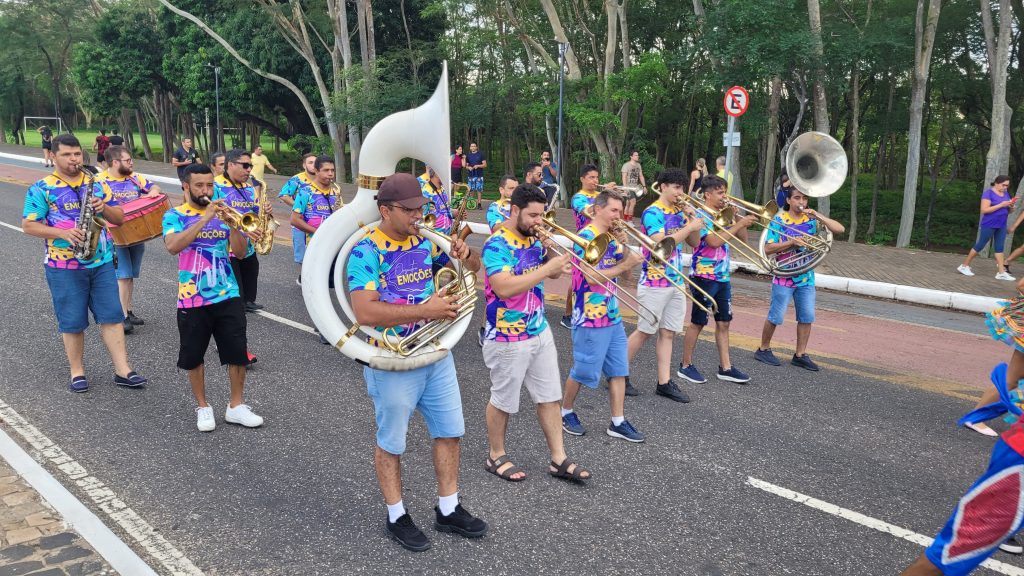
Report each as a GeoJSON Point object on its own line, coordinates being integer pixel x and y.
{"type": "Point", "coordinates": [298, 496]}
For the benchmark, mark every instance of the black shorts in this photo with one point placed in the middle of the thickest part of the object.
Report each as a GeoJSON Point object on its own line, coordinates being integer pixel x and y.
{"type": "Point", "coordinates": [721, 292]}
{"type": "Point", "coordinates": [99, 157]}
{"type": "Point", "coordinates": [225, 321]}
{"type": "Point", "coordinates": [47, 145]}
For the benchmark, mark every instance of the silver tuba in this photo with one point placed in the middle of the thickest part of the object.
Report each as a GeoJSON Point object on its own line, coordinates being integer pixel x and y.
{"type": "Point", "coordinates": [421, 133]}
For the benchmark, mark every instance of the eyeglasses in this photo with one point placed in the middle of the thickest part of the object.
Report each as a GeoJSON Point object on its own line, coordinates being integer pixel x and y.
{"type": "Point", "coordinates": [245, 165]}
{"type": "Point", "coordinates": [126, 160]}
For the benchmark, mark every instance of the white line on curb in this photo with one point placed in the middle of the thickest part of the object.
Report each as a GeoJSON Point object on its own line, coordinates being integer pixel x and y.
{"type": "Point", "coordinates": [6, 225]}
{"type": "Point", "coordinates": [868, 521]}
{"type": "Point", "coordinates": [120, 556]}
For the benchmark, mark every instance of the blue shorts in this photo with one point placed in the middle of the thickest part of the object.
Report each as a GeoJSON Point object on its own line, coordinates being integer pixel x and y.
{"type": "Point", "coordinates": [298, 245]}
{"type": "Point", "coordinates": [803, 299]}
{"type": "Point", "coordinates": [476, 183]}
{"type": "Point", "coordinates": [596, 351]}
{"type": "Point", "coordinates": [721, 292]}
{"type": "Point", "coordinates": [433, 390]}
{"type": "Point", "coordinates": [987, 515]}
{"type": "Point", "coordinates": [996, 235]}
{"type": "Point", "coordinates": [129, 261]}
{"type": "Point", "coordinates": [76, 292]}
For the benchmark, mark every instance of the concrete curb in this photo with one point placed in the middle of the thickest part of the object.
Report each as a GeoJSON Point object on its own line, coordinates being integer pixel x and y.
{"type": "Point", "coordinates": [912, 294]}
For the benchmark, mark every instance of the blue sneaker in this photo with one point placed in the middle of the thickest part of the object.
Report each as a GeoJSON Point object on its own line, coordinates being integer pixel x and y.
{"type": "Point", "coordinates": [571, 424]}
{"type": "Point", "coordinates": [733, 374]}
{"type": "Point", "coordinates": [691, 373]}
{"type": "Point", "coordinates": [566, 322]}
{"type": "Point", "coordinates": [79, 384]}
{"type": "Point", "coordinates": [132, 380]}
{"type": "Point", "coordinates": [766, 356]}
{"type": "Point", "coordinates": [625, 431]}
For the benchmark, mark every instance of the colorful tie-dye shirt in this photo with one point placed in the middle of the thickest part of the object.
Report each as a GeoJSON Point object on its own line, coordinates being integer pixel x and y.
{"type": "Point", "coordinates": [497, 213]}
{"type": "Point", "coordinates": [315, 205]}
{"type": "Point", "coordinates": [596, 306]}
{"type": "Point", "coordinates": [291, 187]}
{"type": "Point", "coordinates": [57, 203]}
{"type": "Point", "coordinates": [125, 188]}
{"type": "Point", "coordinates": [707, 262]}
{"type": "Point", "coordinates": [241, 198]}
{"type": "Point", "coordinates": [400, 272]}
{"type": "Point", "coordinates": [579, 203]}
{"type": "Point", "coordinates": [522, 316]}
{"type": "Point", "coordinates": [782, 228]}
{"type": "Point", "coordinates": [204, 268]}
{"type": "Point", "coordinates": [659, 218]}
{"type": "Point", "coordinates": [439, 205]}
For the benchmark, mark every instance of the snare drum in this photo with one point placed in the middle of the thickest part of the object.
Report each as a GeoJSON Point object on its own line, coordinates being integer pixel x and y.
{"type": "Point", "coordinates": [143, 220]}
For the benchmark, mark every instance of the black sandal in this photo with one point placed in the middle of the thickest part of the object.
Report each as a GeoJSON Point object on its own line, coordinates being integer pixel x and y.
{"type": "Point", "coordinates": [562, 471]}
{"type": "Point", "coordinates": [493, 465]}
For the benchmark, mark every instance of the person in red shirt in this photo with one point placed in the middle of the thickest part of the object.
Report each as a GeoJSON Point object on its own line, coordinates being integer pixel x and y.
{"type": "Point", "coordinates": [100, 147]}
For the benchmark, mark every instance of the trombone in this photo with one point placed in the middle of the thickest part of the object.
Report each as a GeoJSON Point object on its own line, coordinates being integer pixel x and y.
{"type": "Point", "coordinates": [447, 282]}
{"type": "Point", "coordinates": [661, 254]}
{"type": "Point", "coordinates": [593, 251]}
{"type": "Point", "coordinates": [720, 222]}
{"type": "Point", "coordinates": [629, 192]}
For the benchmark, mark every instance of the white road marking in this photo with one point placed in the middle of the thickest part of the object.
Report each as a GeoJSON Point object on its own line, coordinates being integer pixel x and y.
{"type": "Point", "coordinates": [6, 225]}
{"type": "Point", "coordinates": [286, 321]}
{"type": "Point", "coordinates": [868, 521]}
{"type": "Point", "coordinates": [173, 560]}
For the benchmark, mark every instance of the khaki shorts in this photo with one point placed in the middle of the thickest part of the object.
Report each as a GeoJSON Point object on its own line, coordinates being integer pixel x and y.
{"type": "Point", "coordinates": [667, 303]}
{"type": "Point", "coordinates": [533, 362]}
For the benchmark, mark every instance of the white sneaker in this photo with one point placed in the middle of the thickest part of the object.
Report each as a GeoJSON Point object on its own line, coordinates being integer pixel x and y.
{"type": "Point", "coordinates": [243, 415]}
{"type": "Point", "coordinates": [965, 270]}
{"type": "Point", "coordinates": [1004, 275]}
{"type": "Point", "coordinates": [204, 419]}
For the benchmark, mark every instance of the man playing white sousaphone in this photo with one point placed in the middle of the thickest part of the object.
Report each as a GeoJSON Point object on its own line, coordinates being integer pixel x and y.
{"type": "Point", "coordinates": [391, 282]}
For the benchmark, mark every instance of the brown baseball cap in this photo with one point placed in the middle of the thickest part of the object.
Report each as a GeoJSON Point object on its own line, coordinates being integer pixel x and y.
{"type": "Point", "coordinates": [402, 189]}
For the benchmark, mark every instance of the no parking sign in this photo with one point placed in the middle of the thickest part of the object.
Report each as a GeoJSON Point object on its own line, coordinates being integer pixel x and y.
{"type": "Point", "coordinates": [736, 101]}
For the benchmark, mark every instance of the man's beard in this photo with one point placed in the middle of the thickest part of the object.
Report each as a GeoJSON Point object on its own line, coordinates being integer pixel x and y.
{"type": "Point", "coordinates": [524, 231]}
{"type": "Point", "coordinates": [199, 200]}
{"type": "Point", "coordinates": [124, 171]}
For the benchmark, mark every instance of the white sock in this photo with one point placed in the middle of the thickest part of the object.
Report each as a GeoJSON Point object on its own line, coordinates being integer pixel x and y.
{"type": "Point", "coordinates": [447, 504]}
{"type": "Point", "coordinates": [564, 411]}
{"type": "Point", "coordinates": [395, 511]}
{"type": "Point", "coordinates": [616, 420]}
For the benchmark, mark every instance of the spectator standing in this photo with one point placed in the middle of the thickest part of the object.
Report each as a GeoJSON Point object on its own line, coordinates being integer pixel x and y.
{"type": "Point", "coordinates": [633, 177]}
{"type": "Point", "coordinates": [100, 146]}
{"type": "Point", "coordinates": [184, 157]}
{"type": "Point", "coordinates": [47, 135]}
{"type": "Point", "coordinates": [549, 171]}
{"type": "Point", "coordinates": [458, 163]}
{"type": "Point", "coordinates": [476, 161]}
{"type": "Point", "coordinates": [996, 204]}
{"type": "Point", "coordinates": [115, 138]}
{"type": "Point", "coordinates": [721, 173]}
{"type": "Point", "coordinates": [697, 175]}
{"type": "Point", "coordinates": [260, 163]}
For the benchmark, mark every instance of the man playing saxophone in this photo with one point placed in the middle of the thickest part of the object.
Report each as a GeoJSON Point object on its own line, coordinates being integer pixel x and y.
{"type": "Point", "coordinates": [392, 287]}
{"type": "Point", "coordinates": [77, 284]}
{"type": "Point", "coordinates": [234, 189]}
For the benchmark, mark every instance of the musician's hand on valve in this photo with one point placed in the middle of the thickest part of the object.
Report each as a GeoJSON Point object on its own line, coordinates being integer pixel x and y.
{"type": "Point", "coordinates": [439, 307]}
{"type": "Point", "coordinates": [691, 213]}
{"type": "Point", "coordinates": [256, 235]}
{"type": "Point", "coordinates": [73, 235]}
{"type": "Point", "coordinates": [460, 250]}
{"type": "Point", "coordinates": [213, 210]}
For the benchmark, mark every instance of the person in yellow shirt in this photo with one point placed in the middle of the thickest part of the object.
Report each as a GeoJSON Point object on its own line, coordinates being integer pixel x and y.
{"type": "Point", "coordinates": [260, 163]}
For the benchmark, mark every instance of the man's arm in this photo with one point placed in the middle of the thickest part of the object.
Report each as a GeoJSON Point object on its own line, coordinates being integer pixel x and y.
{"type": "Point", "coordinates": [178, 241]}
{"type": "Point", "coordinates": [298, 222]}
{"type": "Point", "coordinates": [507, 285]}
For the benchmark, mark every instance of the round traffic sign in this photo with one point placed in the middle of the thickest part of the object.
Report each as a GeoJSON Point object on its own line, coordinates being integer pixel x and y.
{"type": "Point", "coordinates": [736, 101]}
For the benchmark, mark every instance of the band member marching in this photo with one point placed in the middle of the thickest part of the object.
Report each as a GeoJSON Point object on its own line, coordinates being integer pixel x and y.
{"type": "Point", "coordinates": [519, 349]}
{"type": "Point", "coordinates": [598, 337]}
{"type": "Point", "coordinates": [315, 202]}
{"type": "Point", "coordinates": [786, 239]}
{"type": "Point", "coordinates": [497, 213]}
{"type": "Point", "coordinates": [391, 281]}
{"type": "Point", "coordinates": [209, 301]}
{"type": "Point", "coordinates": [124, 185]}
{"type": "Point", "coordinates": [234, 189]}
{"type": "Point", "coordinates": [709, 269]}
{"type": "Point", "coordinates": [589, 179]}
{"type": "Point", "coordinates": [438, 202]}
{"type": "Point", "coordinates": [664, 218]}
{"type": "Point", "coordinates": [57, 210]}
{"type": "Point", "coordinates": [287, 195]}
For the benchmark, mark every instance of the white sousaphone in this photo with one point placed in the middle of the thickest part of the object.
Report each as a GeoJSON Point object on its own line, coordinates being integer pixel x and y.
{"type": "Point", "coordinates": [421, 133]}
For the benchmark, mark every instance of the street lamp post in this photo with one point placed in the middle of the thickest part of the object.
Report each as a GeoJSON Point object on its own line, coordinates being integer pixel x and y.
{"type": "Point", "coordinates": [219, 139]}
{"type": "Point", "coordinates": [562, 47]}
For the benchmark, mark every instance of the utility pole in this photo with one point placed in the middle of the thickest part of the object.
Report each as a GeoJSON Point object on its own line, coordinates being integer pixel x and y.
{"type": "Point", "coordinates": [562, 47]}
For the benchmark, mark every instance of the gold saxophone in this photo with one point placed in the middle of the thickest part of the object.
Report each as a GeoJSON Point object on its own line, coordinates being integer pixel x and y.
{"type": "Point", "coordinates": [339, 202]}
{"type": "Point", "coordinates": [265, 223]}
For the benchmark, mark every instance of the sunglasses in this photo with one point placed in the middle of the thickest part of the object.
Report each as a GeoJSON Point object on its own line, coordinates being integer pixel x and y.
{"type": "Point", "coordinates": [245, 165]}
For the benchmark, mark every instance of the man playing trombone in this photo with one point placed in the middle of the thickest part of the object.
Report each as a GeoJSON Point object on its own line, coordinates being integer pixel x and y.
{"type": "Point", "coordinates": [787, 239]}
{"type": "Point", "coordinates": [660, 286]}
{"type": "Point", "coordinates": [519, 349]}
{"type": "Point", "coordinates": [497, 213]}
{"type": "Point", "coordinates": [598, 338]}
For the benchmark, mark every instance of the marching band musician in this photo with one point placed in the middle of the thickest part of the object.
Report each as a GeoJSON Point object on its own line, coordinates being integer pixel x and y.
{"type": "Point", "coordinates": [287, 195]}
{"type": "Point", "coordinates": [497, 213]}
{"type": "Point", "coordinates": [124, 185]}
{"type": "Point", "coordinates": [234, 189]}
{"type": "Point", "coordinates": [664, 218]}
{"type": "Point", "coordinates": [519, 349]}
{"type": "Point", "coordinates": [391, 281]}
{"type": "Point", "coordinates": [209, 301]}
{"type": "Point", "coordinates": [709, 269]}
{"type": "Point", "coordinates": [438, 201]}
{"type": "Point", "coordinates": [314, 203]}
{"type": "Point", "coordinates": [589, 180]}
{"type": "Point", "coordinates": [598, 338]}
{"type": "Point", "coordinates": [52, 208]}
{"type": "Point", "coordinates": [796, 216]}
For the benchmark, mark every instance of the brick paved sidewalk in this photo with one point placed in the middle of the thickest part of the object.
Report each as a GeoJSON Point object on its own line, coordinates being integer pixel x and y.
{"type": "Point", "coordinates": [33, 538]}
{"type": "Point", "coordinates": [907, 267]}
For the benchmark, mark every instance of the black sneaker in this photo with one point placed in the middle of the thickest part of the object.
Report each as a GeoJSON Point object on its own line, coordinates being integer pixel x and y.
{"type": "Point", "coordinates": [1012, 545]}
{"type": "Point", "coordinates": [128, 327]}
{"type": "Point", "coordinates": [566, 322]}
{"type": "Point", "coordinates": [252, 306]}
{"type": "Point", "coordinates": [670, 390]}
{"type": "Point", "coordinates": [630, 389]}
{"type": "Point", "coordinates": [132, 380]}
{"type": "Point", "coordinates": [135, 320]}
{"type": "Point", "coordinates": [804, 362]}
{"type": "Point", "coordinates": [407, 534]}
{"type": "Point", "coordinates": [480, 336]}
{"type": "Point", "coordinates": [461, 522]}
{"type": "Point", "coordinates": [766, 356]}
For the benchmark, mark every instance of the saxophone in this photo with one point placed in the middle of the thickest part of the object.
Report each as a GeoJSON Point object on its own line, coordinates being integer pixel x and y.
{"type": "Point", "coordinates": [339, 202]}
{"type": "Point", "coordinates": [265, 223]}
{"type": "Point", "coordinates": [87, 221]}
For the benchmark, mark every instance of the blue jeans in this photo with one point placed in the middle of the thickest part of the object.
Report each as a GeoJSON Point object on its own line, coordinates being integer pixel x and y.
{"type": "Point", "coordinates": [76, 292]}
{"type": "Point", "coordinates": [298, 245]}
{"type": "Point", "coordinates": [999, 236]}
{"type": "Point", "coordinates": [721, 292]}
{"type": "Point", "coordinates": [803, 299]}
{"type": "Point", "coordinates": [129, 260]}
{"type": "Point", "coordinates": [433, 390]}
{"type": "Point", "coordinates": [596, 351]}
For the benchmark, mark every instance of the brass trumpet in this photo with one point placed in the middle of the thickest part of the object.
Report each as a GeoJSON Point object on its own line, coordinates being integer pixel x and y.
{"type": "Point", "coordinates": [242, 222]}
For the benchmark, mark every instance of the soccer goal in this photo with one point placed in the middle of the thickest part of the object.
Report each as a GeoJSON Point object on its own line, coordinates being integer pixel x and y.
{"type": "Point", "coordinates": [37, 122]}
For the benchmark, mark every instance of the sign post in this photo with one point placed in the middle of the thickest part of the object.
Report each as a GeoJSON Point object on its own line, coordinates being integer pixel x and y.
{"type": "Point", "coordinates": [736, 101]}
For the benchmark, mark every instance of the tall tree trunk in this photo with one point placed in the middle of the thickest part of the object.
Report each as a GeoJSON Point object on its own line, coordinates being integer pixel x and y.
{"type": "Point", "coordinates": [147, 152]}
{"type": "Point", "coordinates": [924, 41]}
{"type": "Point", "coordinates": [768, 184]}
{"type": "Point", "coordinates": [998, 50]}
{"type": "Point", "coordinates": [936, 164]}
{"type": "Point", "coordinates": [879, 174]}
{"type": "Point", "coordinates": [821, 122]}
{"type": "Point", "coordinates": [3, 130]}
{"type": "Point", "coordinates": [854, 153]}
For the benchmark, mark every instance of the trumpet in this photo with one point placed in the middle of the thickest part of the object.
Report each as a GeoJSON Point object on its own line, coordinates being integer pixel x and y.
{"type": "Point", "coordinates": [242, 222]}
{"type": "Point", "coordinates": [661, 254]}
{"type": "Point", "coordinates": [593, 251]}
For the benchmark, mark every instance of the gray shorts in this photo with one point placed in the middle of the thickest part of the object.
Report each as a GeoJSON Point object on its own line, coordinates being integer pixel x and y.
{"type": "Point", "coordinates": [533, 362]}
{"type": "Point", "coordinates": [667, 303]}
